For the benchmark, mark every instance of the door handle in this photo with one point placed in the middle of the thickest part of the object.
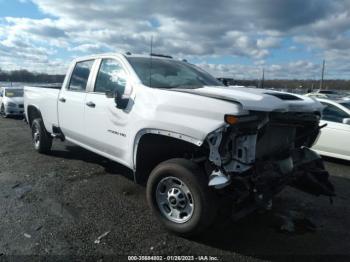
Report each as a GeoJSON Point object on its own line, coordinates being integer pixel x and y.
{"type": "Point", "coordinates": [62, 99]}
{"type": "Point", "coordinates": [90, 104]}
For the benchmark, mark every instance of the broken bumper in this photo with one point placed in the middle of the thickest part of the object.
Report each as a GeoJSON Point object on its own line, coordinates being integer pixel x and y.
{"type": "Point", "coordinates": [309, 174]}
{"type": "Point", "coordinates": [303, 170]}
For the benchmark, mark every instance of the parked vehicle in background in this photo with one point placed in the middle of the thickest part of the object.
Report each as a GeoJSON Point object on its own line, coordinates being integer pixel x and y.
{"type": "Point", "coordinates": [347, 96]}
{"type": "Point", "coordinates": [11, 101]}
{"type": "Point", "coordinates": [193, 141]}
{"type": "Point", "coordinates": [226, 81]}
{"type": "Point", "coordinates": [334, 139]}
{"type": "Point", "coordinates": [331, 94]}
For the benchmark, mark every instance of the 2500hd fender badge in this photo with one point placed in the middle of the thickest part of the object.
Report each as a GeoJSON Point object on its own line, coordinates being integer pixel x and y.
{"type": "Point", "coordinates": [116, 133]}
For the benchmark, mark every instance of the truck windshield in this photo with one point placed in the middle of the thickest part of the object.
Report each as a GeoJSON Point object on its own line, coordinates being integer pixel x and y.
{"type": "Point", "coordinates": [167, 73]}
{"type": "Point", "coordinates": [14, 93]}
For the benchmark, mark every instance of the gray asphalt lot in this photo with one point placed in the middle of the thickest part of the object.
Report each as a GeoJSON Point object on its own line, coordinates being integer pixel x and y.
{"type": "Point", "coordinates": [57, 206]}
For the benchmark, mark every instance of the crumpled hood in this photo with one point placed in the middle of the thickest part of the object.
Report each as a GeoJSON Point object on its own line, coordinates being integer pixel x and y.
{"type": "Point", "coordinates": [258, 99]}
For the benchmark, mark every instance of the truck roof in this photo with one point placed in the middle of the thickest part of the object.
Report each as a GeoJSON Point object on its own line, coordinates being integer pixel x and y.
{"type": "Point", "coordinates": [120, 55]}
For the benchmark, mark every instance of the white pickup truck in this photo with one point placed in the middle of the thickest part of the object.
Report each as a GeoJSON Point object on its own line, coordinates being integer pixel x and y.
{"type": "Point", "coordinates": [191, 140]}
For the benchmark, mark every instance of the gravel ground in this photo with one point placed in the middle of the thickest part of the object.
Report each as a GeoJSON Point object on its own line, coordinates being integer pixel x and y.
{"type": "Point", "coordinates": [56, 206]}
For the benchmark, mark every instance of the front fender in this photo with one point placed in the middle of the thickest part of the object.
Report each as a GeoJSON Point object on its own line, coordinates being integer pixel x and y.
{"type": "Point", "coordinates": [161, 132]}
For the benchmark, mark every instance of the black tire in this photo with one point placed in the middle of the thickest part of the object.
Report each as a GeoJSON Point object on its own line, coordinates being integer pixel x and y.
{"type": "Point", "coordinates": [42, 140]}
{"type": "Point", "coordinates": [2, 111]}
{"type": "Point", "coordinates": [204, 205]}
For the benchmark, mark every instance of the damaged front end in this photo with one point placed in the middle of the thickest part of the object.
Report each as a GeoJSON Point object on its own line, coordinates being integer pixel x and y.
{"type": "Point", "coordinates": [257, 156]}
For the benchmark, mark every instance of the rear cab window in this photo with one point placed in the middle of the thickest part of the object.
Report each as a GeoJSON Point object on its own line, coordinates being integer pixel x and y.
{"type": "Point", "coordinates": [80, 76]}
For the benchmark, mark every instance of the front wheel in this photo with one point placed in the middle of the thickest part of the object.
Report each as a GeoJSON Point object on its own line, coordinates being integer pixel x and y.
{"type": "Point", "coordinates": [2, 111]}
{"type": "Point", "coordinates": [179, 196]}
{"type": "Point", "coordinates": [42, 140]}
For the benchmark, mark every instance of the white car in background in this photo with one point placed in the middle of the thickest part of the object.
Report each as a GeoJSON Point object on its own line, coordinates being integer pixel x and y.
{"type": "Point", "coordinates": [322, 94]}
{"type": "Point", "coordinates": [334, 139]}
{"type": "Point", "coordinates": [11, 101]}
{"type": "Point", "coordinates": [330, 94]}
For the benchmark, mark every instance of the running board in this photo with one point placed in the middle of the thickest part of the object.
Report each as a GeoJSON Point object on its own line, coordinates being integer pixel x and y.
{"type": "Point", "coordinates": [59, 136]}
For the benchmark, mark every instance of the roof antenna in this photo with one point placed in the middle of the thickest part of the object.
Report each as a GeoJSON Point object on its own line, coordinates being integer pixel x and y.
{"type": "Point", "coordinates": [150, 70]}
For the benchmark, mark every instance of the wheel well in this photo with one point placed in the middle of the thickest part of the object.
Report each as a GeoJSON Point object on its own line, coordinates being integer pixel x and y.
{"type": "Point", "coordinates": [153, 149]}
{"type": "Point", "coordinates": [33, 113]}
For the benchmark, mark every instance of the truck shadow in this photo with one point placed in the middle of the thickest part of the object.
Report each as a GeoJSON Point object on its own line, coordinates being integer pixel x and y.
{"type": "Point", "coordinates": [259, 235]}
{"type": "Point", "coordinates": [336, 160]}
{"type": "Point", "coordinates": [78, 153]}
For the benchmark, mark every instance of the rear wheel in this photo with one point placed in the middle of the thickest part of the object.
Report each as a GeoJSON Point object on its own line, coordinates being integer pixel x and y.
{"type": "Point", "coordinates": [179, 196]}
{"type": "Point", "coordinates": [42, 140]}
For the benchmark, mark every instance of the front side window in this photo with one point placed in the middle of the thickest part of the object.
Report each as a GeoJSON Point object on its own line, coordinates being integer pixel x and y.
{"type": "Point", "coordinates": [333, 113]}
{"type": "Point", "coordinates": [80, 75]}
{"type": "Point", "coordinates": [111, 77]}
{"type": "Point", "coordinates": [167, 73]}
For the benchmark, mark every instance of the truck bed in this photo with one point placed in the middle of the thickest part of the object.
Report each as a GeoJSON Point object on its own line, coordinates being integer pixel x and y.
{"type": "Point", "coordinates": [44, 99]}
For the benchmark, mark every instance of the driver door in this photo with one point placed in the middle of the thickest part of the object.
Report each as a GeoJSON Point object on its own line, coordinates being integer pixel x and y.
{"type": "Point", "coordinates": [105, 124]}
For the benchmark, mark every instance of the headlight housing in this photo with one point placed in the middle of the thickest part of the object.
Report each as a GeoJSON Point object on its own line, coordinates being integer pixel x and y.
{"type": "Point", "coordinates": [10, 104]}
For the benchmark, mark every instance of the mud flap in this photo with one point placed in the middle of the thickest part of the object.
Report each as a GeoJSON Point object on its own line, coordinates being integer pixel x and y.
{"type": "Point", "coordinates": [310, 175]}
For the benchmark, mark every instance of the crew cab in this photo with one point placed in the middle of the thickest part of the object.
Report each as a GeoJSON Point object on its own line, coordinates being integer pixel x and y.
{"type": "Point", "coordinates": [192, 141]}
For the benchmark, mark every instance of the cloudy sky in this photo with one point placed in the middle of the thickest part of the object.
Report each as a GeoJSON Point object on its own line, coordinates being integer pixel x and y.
{"type": "Point", "coordinates": [236, 38]}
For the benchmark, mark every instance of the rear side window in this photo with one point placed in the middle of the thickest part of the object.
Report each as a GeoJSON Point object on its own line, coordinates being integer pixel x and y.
{"type": "Point", "coordinates": [80, 75]}
{"type": "Point", "coordinates": [111, 77]}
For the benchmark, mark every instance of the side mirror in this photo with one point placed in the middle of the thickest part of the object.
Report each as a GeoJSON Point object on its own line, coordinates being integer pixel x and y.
{"type": "Point", "coordinates": [346, 121]}
{"type": "Point", "coordinates": [121, 99]}
{"type": "Point", "coordinates": [110, 94]}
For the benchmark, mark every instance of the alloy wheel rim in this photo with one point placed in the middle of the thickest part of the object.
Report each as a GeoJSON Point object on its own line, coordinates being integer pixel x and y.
{"type": "Point", "coordinates": [36, 137]}
{"type": "Point", "coordinates": [174, 200]}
